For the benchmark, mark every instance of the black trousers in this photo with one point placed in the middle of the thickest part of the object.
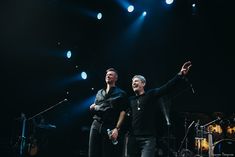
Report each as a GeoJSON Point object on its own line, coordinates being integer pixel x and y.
{"type": "Point", "coordinates": [141, 146]}
{"type": "Point", "coordinates": [100, 145]}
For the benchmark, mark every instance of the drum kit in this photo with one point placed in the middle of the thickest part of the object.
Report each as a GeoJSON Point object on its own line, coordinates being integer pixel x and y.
{"type": "Point", "coordinates": [214, 137]}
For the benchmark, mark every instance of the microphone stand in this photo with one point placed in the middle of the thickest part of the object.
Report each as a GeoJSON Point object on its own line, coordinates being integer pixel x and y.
{"type": "Point", "coordinates": [23, 138]}
{"type": "Point", "coordinates": [203, 126]}
{"type": "Point", "coordinates": [24, 119]}
{"type": "Point", "coordinates": [185, 136]}
{"type": "Point", "coordinates": [47, 109]}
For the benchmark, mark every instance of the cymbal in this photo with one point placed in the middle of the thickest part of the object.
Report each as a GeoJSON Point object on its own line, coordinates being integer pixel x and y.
{"type": "Point", "coordinates": [232, 115]}
{"type": "Point", "coordinates": [185, 114]}
{"type": "Point", "coordinates": [218, 114]}
{"type": "Point", "coordinates": [231, 118]}
{"type": "Point", "coordinates": [202, 117]}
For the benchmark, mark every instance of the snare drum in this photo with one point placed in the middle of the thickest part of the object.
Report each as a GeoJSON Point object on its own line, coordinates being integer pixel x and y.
{"type": "Point", "coordinates": [225, 147]}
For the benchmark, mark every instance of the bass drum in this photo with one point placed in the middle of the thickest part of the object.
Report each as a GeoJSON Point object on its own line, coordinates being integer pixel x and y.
{"type": "Point", "coordinates": [225, 147]}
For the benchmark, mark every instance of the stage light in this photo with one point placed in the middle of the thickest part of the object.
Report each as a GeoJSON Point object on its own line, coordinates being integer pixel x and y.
{"type": "Point", "coordinates": [69, 54]}
{"type": "Point", "coordinates": [130, 8]}
{"type": "Point", "coordinates": [144, 13]}
{"type": "Point", "coordinates": [169, 1]}
{"type": "Point", "coordinates": [194, 9]}
{"type": "Point", "coordinates": [80, 109]}
{"type": "Point", "coordinates": [99, 16]}
{"type": "Point", "coordinates": [84, 75]}
{"type": "Point", "coordinates": [134, 28]}
{"type": "Point", "coordinates": [165, 104]}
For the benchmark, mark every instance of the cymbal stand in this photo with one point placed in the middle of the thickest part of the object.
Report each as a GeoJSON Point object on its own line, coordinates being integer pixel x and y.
{"type": "Point", "coordinates": [198, 138]}
{"type": "Point", "coordinates": [185, 139]}
{"type": "Point", "coordinates": [203, 126]}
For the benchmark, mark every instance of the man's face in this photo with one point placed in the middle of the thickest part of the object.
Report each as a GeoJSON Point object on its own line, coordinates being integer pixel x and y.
{"type": "Point", "coordinates": [111, 77]}
{"type": "Point", "coordinates": [137, 85]}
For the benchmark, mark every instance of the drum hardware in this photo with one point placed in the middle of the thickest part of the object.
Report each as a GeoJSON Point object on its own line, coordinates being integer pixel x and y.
{"type": "Point", "coordinates": [23, 129]}
{"type": "Point", "coordinates": [224, 147]}
{"type": "Point", "coordinates": [210, 142]}
{"type": "Point", "coordinates": [210, 138]}
{"type": "Point", "coordinates": [211, 122]}
{"type": "Point", "coordinates": [213, 137]}
{"type": "Point", "coordinates": [203, 143]}
{"type": "Point", "coordinates": [185, 152]}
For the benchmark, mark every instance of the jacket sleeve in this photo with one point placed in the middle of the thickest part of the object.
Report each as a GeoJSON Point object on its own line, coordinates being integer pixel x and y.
{"type": "Point", "coordinates": [178, 82]}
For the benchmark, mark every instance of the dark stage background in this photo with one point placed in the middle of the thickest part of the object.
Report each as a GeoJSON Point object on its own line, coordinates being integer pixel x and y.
{"type": "Point", "coordinates": [35, 73]}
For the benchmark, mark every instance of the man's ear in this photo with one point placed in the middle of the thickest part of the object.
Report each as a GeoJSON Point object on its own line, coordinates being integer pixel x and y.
{"type": "Point", "coordinates": [143, 84]}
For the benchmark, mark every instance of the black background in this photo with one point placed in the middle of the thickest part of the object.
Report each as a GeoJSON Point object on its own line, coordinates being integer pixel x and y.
{"type": "Point", "coordinates": [35, 73]}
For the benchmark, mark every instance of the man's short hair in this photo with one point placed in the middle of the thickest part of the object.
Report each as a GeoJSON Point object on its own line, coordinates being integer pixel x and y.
{"type": "Point", "coordinates": [112, 69]}
{"type": "Point", "coordinates": [142, 78]}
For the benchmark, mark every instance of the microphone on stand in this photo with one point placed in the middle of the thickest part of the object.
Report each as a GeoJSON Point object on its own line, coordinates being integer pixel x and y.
{"type": "Point", "coordinates": [191, 85]}
{"type": "Point", "coordinates": [62, 101]}
{"type": "Point", "coordinates": [193, 91]}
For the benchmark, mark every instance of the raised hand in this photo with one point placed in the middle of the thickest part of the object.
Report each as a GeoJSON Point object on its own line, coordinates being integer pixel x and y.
{"type": "Point", "coordinates": [185, 68]}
